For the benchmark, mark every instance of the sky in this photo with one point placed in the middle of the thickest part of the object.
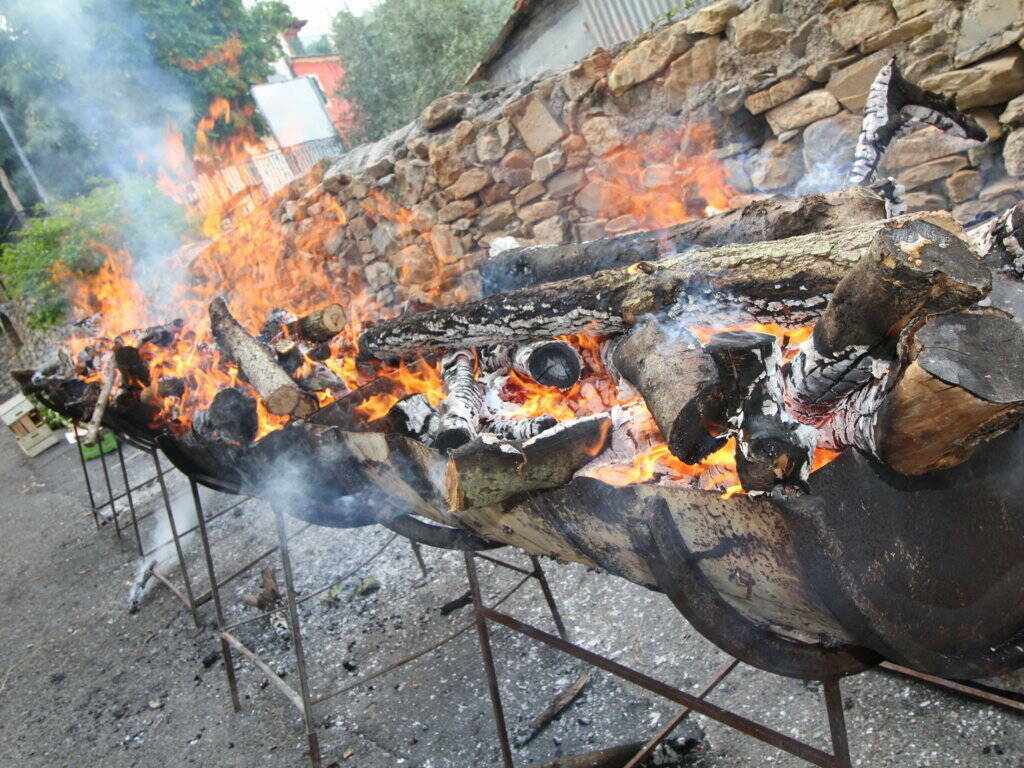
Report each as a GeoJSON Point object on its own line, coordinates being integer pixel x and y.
{"type": "Point", "coordinates": [320, 12]}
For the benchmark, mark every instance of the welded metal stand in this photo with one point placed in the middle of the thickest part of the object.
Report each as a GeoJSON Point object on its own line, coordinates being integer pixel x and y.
{"type": "Point", "coordinates": [840, 757]}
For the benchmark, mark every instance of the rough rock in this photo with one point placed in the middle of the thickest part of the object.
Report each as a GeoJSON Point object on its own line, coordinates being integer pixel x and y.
{"type": "Point", "coordinates": [595, 198]}
{"type": "Point", "coordinates": [762, 26]}
{"type": "Point", "coordinates": [713, 19]}
{"type": "Point", "coordinates": [830, 143]}
{"type": "Point", "coordinates": [1002, 188]}
{"type": "Point", "coordinates": [1013, 152]}
{"type": "Point", "coordinates": [1014, 112]}
{"type": "Point", "coordinates": [531, 214]}
{"type": "Point", "coordinates": [445, 162]}
{"type": "Point", "coordinates": [923, 145]}
{"type": "Point", "coordinates": [540, 131]}
{"type": "Point", "coordinates": [962, 186]}
{"type": "Point", "coordinates": [906, 9]}
{"type": "Point", "coordinates": [850, 84]}
{"type": "Point", "coordinates": [648, 58]}
{"type": "Point", "coordinates": [988, 26]}
{"type": "Point", "coordinates": [496, 216]}
{"type": "Point", "coordinates": [900, 32]}
{"type": "Point", "coordinates": [550, 231]}
{"type": "Point", "coordinates": [456, 209]}
{"type": "Point", "coordinates": [602, 135]}
{"type": "Point", "coordinates": [469, 183]}
{"type": "Point", "coordinates": [776, 165]}
{"type": "Point", "coordinates": [529, 192]}
{"type": "Point", "coordinates": [781, 92]}
{"type": "Point", "coordinates": [566, 182]}
{"type": "Point", "coordinates": [988, 82]}
{"type": "Point", "coordinates": [488, 147]}
{"type": "Point", "coordinates": [802, 111]}
{"type": "Point", "coordinates": [697, 65]}
{"type": "Point", "coordinates": [545, 165]}
{"type": "Point", "coordinates": [975, 211]}
{"type": "Point", "coordinates": [924, 201]}
{"type": "Point", "coordinates": [444, 110]}
{"type": "Point", "coordinates": [925, 173]}
{"type": "Point", "coordinates": [515, 169]}
{"type": "Point", "coordinates": [379, 274]}
{"type": "Point", "coordinates": [578, 81]}
{"type": "Point", "coordinates": [855, 25]}
{"type": "Point", "coordinates": [657, 175]}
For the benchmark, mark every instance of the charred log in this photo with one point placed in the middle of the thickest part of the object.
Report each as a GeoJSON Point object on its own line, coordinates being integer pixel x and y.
{"type": "Point", "coordinates": [771, 446]}
{"type": "Point", "coordinates": [518, 429]}
{"type": "Point", "coordinates": [762, 281]}
{"type": "Point", "coordinates": [771, 219]}
{"type": "Point", "coordinates": [552, 363]}
{"type": "Point", "coordinates": [130, 364]}
{"type": "Point", "coordinates": [415, 417]}
{"type": "Point", "coordinates": [909, 270]}
{"type": "Point", "coordinates": [231, 416]}
{"type": "Point", "coordinates": [279, 393]}
{"type": "Point", "coordinates": [679, 383]}
{"type": "Point", "coordinates": [108, 373]}
{"type": "Point", "coordinates": [288, 355]}
{"type": "Point", "coordinates": [321, 379]}
{"type": "Point", "coordinates": [491, 471]}
{"type": "Point", "coordinates": [460, 410]}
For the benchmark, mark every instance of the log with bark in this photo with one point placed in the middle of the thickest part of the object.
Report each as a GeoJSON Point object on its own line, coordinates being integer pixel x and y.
{"type": "Point", "coordinates": [279, 393]}
{"type": "Point", "coordinates": [782, 281]}
{"type": "Point", "coordinates": [763, 220]}
{"type": "Point", "coordinates": [460, 410]}
{"type": "Point", "coordinates": [319, 326]}
{"type": "Point", "coordinates": [108, 374]}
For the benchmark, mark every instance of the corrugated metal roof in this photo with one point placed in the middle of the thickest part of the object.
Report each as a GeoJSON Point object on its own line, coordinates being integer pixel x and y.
{"type": "Point", "coordinates": [610, 21]}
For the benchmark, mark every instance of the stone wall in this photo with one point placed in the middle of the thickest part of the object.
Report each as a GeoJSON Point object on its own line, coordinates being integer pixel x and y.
{"type": "Point", "coordinates": [739, 100]}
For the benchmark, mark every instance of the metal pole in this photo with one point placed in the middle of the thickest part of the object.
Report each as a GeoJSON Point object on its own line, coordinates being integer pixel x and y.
{"type": "Point", "coordinates": [174, 535]}
{"type": "Point", "coordinates": [85, 474]}
{"type": "Point", "coordinates": [110, 490]}
{"type": "Point", "coordinates": [131, 502]}
{"type": "Point", "coordinates": [225, 648]}
{"type": "Point", "coordinates": [488, 658]}
{"type": "Point", "coordinates": [293, 626]}
{"type": "Point", "coordinates": [416, 550]}
{"type": "Point", "coordinates": [24, 160]}
{"type": "Point", "coordinates": [538, 573]}
{"type": "Point", "coordinates": [837, 722]}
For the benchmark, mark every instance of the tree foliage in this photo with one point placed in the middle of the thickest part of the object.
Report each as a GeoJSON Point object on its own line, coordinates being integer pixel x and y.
{"type": "Point", "coordinates": [404, 53]}
{"type": "Point", "coordinates": [75, 236]}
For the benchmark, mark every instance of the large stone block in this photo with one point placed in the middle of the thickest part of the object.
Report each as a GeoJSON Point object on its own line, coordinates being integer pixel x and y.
{"type": "Point", "coordinates": [903, 31]}
{"type": "Point", "coordinates": [530, 214]}
{"type": "Point", "coordinates": [566, 182]}
{"type": "Point", "coordinates": [713, 19]}
{"type": "Point", "coordinates": [469, 183]}
{"type": "Point", "coordinates": [923, 145]}
{"type": "Point", "coordinates": [829, 144]}
{"type": "Point", "coordinates": [906, 9]}
{"type": "Point", "coordinates": [776, 165]}
{"type": "Point", "coordinates": [649, 57]}
{"type": "Point", "coordinates": [602, 134]}
{"type": "Point", "coordinates": [850, 84]}
{"type": "Point", "coordinates": [988, 82]}
{"type": "Point", "coordinates": [1014, 112]}
{"type": "Point", "coordinates": [1013, 152]}
{"type": "Point", "coordinates": [926, 173]}
{"type": "Point", "coordinates": [444, 110]}
{"type": "Point", "coordinates": [988, 26]}
{"type": "Point", "coordinates": [855, 25]}
{"type": "Point", "coordinates": [697, 65]}
{"type": "Point", "coordinates": [580, 79]}
{"type": "Point", "coordinates": [762, 26]}
{"type": "Point", "coordinates": [802, 111]}
{"type": "Point", "coordinates": [539, 129]}
{"type": "Point", "coordinates": [780, 93]}
{"type": "Point", "coordinates": [963, 185]}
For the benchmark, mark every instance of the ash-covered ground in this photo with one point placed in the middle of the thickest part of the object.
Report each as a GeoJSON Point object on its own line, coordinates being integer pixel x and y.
{"type": "Point", "coordinates": [83, 682]}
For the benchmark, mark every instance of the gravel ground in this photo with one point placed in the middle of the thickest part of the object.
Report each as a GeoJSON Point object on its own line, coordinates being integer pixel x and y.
{"type": "Point", "coordinates": [83, 682]}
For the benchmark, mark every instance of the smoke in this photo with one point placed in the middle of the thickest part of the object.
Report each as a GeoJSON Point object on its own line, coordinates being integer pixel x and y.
{"type": "Point", "coordinates": [108, 84]}
{"type": "Point", "coordinates": [160, 544]}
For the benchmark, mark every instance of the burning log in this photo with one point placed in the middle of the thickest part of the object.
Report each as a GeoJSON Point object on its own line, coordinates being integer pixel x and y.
{"type": "Point", "coordinates": [231, 416]}
{"type": "Point", "coordinates": [959, 383]}
{"type": "Point", "coordinates": [761, 280]}
{"type": "Point", "coordinates": [288, 354]}
{"type": "Point", "coordinates": [1001, 239]}
{"type": "Point", "coordinates": [490, 471]}
{"type": "Point", "coordinates": [460, 410]}
{"type": "Point", "coordinates": [133, 368]}
{"type": "Point", "coordinates": [770, 219]}
{"type": "Point", "coordinates": [771, 446]}
{"type": "Point", "coordinates": [518, 429]}
{"type": "Point", "coordinates": [279, 393]}
{"type": "Point", "coordinates": [170, 386]}
{"type": "Point", "coordinates": [909, 270]}
{"type": "Point", "coordinates": [679, 383]}
{"type": "Point", "coordinates": [322, 325]}
{"type": "Point", "coordinates": [415, 417]}
{"type": "Point", "coordinates": [321, 379]}
{"type": "Point", "coordinates": [108, 373]}
{"type": "Point", "coordinates": [894, 107]}
{"type": "Point", "coordinates": [551, 363]}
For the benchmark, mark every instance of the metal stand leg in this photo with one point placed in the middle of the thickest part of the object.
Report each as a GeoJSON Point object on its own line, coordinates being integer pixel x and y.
{"type": "Point", "coordinates": [131, 501]}
{"type": "Point", "coordinates": [296, 633]}
{"type": "Point", "coordinates": [538, 574]}
{"type": "Point", "coordinates": [225, 648]}
{"type": "Point", "coordinates": [85, 475]}
{"type": "Point", "coordinates": [177, 541]}
{"type": "Point", "coordinates": [837, 722]}
{"type": "Point", "coordinates": [417, 551]}
{"type": "Point", "coordinates": [485, 652]}
{"type": "Point", "coordinates": [110, 492]}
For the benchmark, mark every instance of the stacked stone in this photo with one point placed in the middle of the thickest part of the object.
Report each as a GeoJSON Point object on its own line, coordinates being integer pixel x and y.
{"type": "Point", "coordinates": [783, 84]}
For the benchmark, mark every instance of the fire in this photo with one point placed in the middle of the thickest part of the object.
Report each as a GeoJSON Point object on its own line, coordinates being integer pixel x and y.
{"type": "Point", "coordinates": [660, 179]}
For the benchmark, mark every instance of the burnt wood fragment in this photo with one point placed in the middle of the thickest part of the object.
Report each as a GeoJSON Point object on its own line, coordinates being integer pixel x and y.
{"type": "Point", "coordinates": [460, 410]}
{"type": "Point", "coordinates": [518, 429]}
{"type": "Point", "coordinates": [231, 416]}
{"type": "Point", "coordinates": [319, 326]}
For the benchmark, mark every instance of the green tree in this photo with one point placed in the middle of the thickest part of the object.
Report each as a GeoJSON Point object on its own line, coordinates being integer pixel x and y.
{"type": "Point", "coordinates": [404, 53]}
{"type": "Point", "coordinates": [75, 234]}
